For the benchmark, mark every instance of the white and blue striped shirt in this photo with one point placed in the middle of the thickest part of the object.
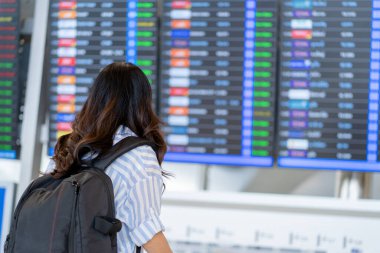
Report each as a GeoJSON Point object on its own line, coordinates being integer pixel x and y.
{"type": "Point", "coordinates": [138, 184]}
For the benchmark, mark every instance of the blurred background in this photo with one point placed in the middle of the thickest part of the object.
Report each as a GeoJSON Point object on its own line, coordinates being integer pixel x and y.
{"type": "Point", "coordinates": [271, 111]}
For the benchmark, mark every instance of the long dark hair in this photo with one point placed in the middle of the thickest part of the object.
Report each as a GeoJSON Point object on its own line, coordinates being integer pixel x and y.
{"type": "Point", "coordinates": [120, 95]}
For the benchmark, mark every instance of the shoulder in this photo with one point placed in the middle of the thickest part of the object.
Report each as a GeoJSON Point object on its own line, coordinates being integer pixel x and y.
{"type": "Point", "coordinates": [136, 165]}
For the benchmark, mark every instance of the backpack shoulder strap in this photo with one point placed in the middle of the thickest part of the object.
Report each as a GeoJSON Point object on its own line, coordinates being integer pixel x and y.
{"type": "Point", "coordinates": [120, 148]}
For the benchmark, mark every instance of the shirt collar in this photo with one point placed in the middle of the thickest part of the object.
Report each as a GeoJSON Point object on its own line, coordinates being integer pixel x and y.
{"type": "Point", "coordinates": [124, 131]}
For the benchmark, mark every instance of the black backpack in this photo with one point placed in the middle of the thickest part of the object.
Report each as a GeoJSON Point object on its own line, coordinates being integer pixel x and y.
{"type": "Point", "coordinates": [75, 214]}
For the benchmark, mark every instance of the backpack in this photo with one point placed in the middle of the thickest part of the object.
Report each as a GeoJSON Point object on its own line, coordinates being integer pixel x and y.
{"type": "Point", "coordinates": [75, 214]}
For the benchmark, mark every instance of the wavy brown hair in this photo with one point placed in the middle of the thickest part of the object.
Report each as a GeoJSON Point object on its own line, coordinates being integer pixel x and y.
{"type": "Point", "coordinates": [120, 95]}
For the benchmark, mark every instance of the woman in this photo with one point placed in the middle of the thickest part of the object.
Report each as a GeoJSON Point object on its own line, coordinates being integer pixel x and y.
{"type": "Point", "coordinates": [120, 105]}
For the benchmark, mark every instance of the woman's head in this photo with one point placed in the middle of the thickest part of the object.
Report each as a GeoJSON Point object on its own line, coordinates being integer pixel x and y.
{"type": "Point", "coordinates": [120, 95]}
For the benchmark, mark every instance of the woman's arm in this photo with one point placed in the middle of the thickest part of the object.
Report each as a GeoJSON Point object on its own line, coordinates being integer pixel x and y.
{"type": "Point", "coordinates": [158, 244]}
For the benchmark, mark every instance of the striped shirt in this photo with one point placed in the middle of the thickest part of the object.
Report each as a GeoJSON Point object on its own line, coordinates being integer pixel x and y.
{"type": "Point", "coordinates": [137, 183]}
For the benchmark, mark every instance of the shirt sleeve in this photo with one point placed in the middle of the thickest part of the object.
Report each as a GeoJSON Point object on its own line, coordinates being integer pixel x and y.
{"type": "Point", "coordinates": [144, 204]}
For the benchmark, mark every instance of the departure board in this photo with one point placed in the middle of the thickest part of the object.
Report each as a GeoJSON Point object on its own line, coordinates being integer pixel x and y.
{"type": "Point", "coordinates": [83, 37]}
{"type": "Point", "coordinates": [329, 87]}
{"type": "Point", "coordinates": [9, 84]}
{"type": "Point", "coordinates": [218, 65]}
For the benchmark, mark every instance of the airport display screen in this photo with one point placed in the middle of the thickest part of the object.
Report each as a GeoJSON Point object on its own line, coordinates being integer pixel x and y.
{"type": "Point", "coordinates": [83, 37]}
{"type": "Point", "coordinates": [6, 209]}
{"type": "Point", "coordinates": [9, 83]}
{"type": "Point", "coordinates": [223, 94]}
{"type": "Point", "coordinates": [218, 77]}
{"type": "Point", "coordinates": [329, 85]}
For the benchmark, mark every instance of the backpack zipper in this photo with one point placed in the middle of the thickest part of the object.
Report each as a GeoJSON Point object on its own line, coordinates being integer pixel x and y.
{"type": "Point", "coordinates": [72, 229]}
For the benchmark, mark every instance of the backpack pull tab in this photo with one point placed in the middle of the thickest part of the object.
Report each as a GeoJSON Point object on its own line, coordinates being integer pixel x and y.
{"type": "Point", "coordinates": [107, 225]}
{"type": "Point", "coordinates": [76, 185]}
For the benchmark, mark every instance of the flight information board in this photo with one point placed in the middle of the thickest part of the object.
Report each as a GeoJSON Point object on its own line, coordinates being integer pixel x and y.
{"type": "Point", "coordinates": [218, 65]}
{"type": "Point", "coordinates": [83, 37]}
{"type": "Point", "coordinates": [9, 84]}
{"type": "Point", "coordinates": [329, 86]}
